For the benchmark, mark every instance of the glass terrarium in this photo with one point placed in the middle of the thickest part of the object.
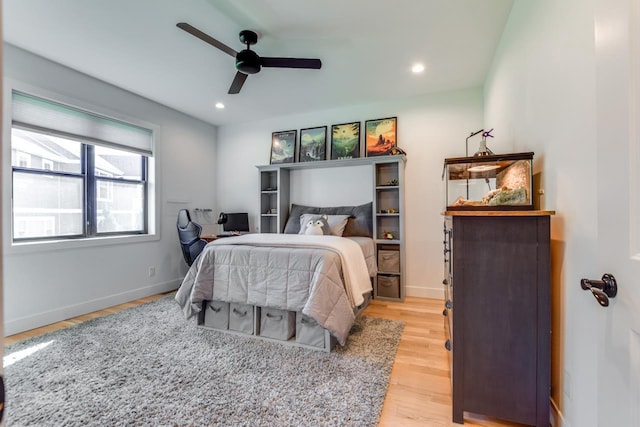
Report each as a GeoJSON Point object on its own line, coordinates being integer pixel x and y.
{"type": "Point", "coordinates": [489, 182]}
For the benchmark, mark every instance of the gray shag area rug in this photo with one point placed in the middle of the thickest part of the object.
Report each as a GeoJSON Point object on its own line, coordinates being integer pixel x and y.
{"type": "Point", "coordinates": [148, 366]}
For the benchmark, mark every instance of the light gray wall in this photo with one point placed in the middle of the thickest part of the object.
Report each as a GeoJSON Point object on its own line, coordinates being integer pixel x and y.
{"type": "Point", "coordinates": [337, 187]}
{"type": "Point", "coordinates": [48, 283]}
{"type": "Point", "coordinates": [430, 128]}
{"type": "Point", "coordinates": [540, 96]}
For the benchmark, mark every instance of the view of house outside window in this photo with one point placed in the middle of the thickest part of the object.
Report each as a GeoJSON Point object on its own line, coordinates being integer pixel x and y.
{"type": "Point", "coordinates": [120, 205]}
{"type": "Point", "coordinates": [58, 194]}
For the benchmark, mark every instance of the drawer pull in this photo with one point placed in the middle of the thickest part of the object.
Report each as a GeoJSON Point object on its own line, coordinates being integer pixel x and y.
{"type": "Point", "coordinates": [239, 313]}
{"type": "Point", "coordinates": [217, 310]}
{"type": "Point", "coordinates": [445, 282]}
{"type": "Point", "coordinates": [306, 321]}
{"type": "Point", "coordinates": [444, 312]}
{"type": "Point", "coordinates": [273, 316]}
{"type": "Point", "coordinates": [448, 304]}
{"type": "Point", "coordinates": [447, 345]}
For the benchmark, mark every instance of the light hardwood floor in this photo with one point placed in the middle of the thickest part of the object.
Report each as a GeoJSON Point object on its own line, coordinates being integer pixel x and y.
{"type": "Point", "coordinates": [419, 391]}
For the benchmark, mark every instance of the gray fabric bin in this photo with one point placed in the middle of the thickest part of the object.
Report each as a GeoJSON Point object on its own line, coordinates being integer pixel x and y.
{"type": "Point", "coordinates": [278, 324]}
{"type": "Point", "coordinates": [308, 331]}
{"type": "Point", "coordinates": [241, 318]}
{"type": "Point", "coordinates": [216, 315]}
{"type": "Point", "coordinates": [389, 261]}
{"type": "Point", "coordinates": [388, 286]}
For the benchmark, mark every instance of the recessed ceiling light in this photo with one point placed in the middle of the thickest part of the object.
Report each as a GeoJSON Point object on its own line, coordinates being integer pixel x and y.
{"type": "Point", "coordinates": [417, 68]}
{"type": "Point", "coordinates": [219, 105]}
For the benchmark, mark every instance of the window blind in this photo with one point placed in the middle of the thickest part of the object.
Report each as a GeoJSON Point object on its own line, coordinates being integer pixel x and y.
{"type": "Point", "coordinates": [48, 116]}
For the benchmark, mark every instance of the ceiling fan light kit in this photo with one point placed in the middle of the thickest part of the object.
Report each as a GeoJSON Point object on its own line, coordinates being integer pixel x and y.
{"type": "Point", "coordinates": [247, 61]}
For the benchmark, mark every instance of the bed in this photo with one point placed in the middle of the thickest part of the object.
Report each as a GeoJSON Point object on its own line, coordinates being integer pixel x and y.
{"type": "Point", "coordinates": [323, 279]}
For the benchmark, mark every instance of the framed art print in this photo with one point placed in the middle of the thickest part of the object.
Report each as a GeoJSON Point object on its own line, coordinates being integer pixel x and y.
{"type": "Point", "coordinates": [313, 143]}
{"type": "Point", "coordinates": [283, 147]}
{"type": "Point", "coordinates": [380, 136]}
{"type": "Point", "coordinates": [345, 141]}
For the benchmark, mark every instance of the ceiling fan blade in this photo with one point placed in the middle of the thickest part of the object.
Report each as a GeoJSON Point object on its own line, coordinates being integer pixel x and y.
{"type": "Point", "coordinates": [314, 64]}
{"type": "Point", "coordinates": [237, 83]}
{"type": "Point", "coordinates": [206, 38]}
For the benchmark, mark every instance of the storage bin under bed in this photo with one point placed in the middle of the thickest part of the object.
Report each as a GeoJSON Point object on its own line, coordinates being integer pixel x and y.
{"type": "Point", "coordinates": [278, 324]}
{"type": "Point", "coordinates": [216, 315]}
{"type": "Point", "coordinates": [288, 326]}
{"type": "Point", "coordinates": [241, 318]}
{"type": "Point", "coordinates": [309, 332]}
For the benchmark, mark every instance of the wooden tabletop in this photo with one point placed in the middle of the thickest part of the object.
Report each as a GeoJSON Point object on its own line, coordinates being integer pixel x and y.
{"type": "Point", "coordinates": [499, 213]}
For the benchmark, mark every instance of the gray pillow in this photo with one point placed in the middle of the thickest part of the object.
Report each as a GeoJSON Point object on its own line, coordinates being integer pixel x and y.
{"type": "Point", "coordinates": [360, 221]}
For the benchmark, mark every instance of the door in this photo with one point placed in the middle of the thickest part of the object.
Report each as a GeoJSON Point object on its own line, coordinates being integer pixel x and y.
{"type": "Point", "coordinates": [2, 395]}
{"type": "Point", "coordinates": [617, 56]}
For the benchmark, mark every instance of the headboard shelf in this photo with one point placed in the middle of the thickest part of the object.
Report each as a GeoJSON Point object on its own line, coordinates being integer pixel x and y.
{"type": "Point", "coordinates": [361, 161]}
{"type": "Point", "coordinates": [387, 210]}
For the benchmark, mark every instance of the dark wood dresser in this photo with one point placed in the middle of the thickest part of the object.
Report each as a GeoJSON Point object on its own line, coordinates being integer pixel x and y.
{"type": "Point", "coordinates": [497, 313]}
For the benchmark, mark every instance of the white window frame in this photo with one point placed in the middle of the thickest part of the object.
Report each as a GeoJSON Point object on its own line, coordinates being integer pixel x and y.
{"type": "Point", "coordinates": [153, 191]}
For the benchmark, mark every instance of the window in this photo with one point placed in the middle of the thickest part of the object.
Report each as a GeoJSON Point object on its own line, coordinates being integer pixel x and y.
{"type": "Point", "coordinates": [121, 189]}
{"type": "Point", "coordinates": [70, 182]}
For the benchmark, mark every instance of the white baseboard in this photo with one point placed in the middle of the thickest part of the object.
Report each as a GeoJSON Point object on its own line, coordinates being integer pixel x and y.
{"type": "Point", "coordinates": [46, 318]}
{"type": "Point", "coordinates": [422, 292]}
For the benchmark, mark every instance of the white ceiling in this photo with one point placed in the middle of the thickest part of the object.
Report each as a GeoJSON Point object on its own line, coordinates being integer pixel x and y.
{"type": "Point", "coordinates": [367, 48]}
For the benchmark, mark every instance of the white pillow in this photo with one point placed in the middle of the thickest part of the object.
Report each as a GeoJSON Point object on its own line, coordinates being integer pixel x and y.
{"type": "Point", "coordinates": [337, 223]}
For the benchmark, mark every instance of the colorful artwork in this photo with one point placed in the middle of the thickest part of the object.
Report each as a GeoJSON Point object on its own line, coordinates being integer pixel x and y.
{"type": "Point", "coordinates": [283, 147]}
{"type": "Point", "coordinates": [313, 142]}
{"type": "Point", "coordinates": [380, 136]}
{"type": "Point", "coordinates": [345, 141]}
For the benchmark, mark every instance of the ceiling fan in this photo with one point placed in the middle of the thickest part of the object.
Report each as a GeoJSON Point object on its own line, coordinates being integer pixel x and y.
{"type": "Point", "coordinates": [247, 61]}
